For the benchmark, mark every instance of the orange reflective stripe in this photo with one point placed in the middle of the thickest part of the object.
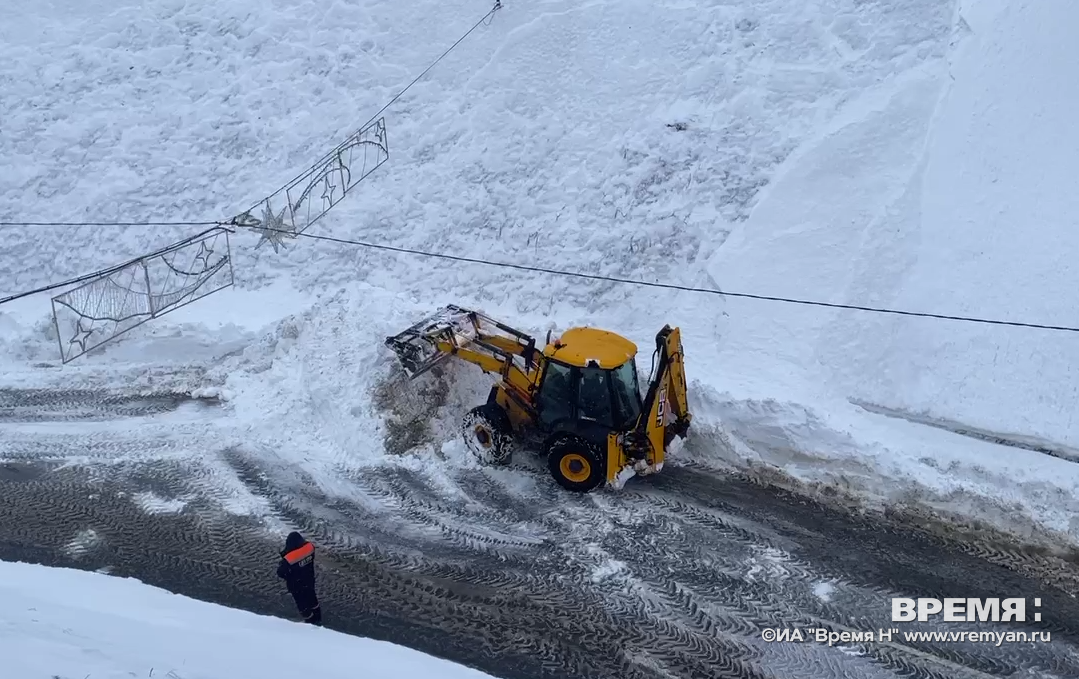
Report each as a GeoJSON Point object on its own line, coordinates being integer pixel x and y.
{"type": "Point", "coordinates": [300, 553]}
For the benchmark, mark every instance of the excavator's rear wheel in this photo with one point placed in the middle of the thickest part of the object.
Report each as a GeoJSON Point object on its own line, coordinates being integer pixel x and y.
{"type": "Point", "coordinates": [488, 434]}
{"type": "Point", "coordinates": [576, 464]}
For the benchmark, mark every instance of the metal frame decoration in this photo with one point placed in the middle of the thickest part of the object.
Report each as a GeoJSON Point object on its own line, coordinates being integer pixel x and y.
{"type": "Point", "coordinates": [102, 309]}
{"type": "Point", "coordinates": [304, 200]}
{"type": "Point", "coordinates": [126, 296]}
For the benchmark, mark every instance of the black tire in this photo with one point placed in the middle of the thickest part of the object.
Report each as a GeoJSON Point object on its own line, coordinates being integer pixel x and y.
{"type": "Point", "coordinates": [488, 434]}
{"type": "Point", "coordinates": [576, 464]}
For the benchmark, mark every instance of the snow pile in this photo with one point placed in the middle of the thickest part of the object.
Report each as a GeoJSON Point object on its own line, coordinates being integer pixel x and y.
{"type": "Point", "coordinates": [71, 624]}
{"type": "Point", "coordinates": [947, 189]}
{"type": "Point", "coordinates": [838, 452]}
{"type": "Point", "coordinates": [997, 232]}
{"type": "Point", "coordinates": [943, 189]}
{"type": "Point", "coordinates": [911, 155]}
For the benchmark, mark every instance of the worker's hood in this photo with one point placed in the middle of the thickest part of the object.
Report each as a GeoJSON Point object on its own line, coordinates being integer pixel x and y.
{"type": "Point", "coordinates": [293, 541]}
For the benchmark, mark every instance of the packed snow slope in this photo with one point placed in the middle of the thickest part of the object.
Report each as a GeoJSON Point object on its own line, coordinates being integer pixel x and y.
{"type": "Point", "coordinates": [903, 154]}
{"type": "Point", "coordinates": [947, 189]}
{"type": "Point", "coordinates": [69, 624]}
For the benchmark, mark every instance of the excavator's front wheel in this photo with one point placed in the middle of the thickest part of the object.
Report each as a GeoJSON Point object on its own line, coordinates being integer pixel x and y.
{"type": "Point", "coordinates": [575, 464]}
{"type": "Point", "coordinates": [488, 434]}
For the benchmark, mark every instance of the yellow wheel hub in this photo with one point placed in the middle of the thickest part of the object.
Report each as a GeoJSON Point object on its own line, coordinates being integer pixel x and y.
{"type": "Point", "coordinates": [483, 436]}
{"type": "Point", "coordinates": [575, 467]}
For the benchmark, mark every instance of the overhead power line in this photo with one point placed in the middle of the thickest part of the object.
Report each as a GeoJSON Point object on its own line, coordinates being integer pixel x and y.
{"type": "Point", "coordinates": [552, 272]}
{"type": "Point", "coordinates": [110, 223]}
{"type": "Point", "coordinates": [686, 288]}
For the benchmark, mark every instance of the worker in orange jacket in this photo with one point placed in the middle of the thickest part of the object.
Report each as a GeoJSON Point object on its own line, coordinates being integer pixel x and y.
{"type": "Point", "coordinates": [297, 569]}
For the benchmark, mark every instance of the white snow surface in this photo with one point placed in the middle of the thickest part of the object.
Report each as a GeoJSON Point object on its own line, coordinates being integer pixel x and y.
{"type": "Point", "coordinates": [70, 624]}
{"type": "Point", "coordinates": [916, 155]}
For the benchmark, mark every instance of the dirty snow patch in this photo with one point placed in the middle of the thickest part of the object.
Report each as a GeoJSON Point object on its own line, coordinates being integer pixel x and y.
{"type": "Point", "coordinates": [83, 542]}
{"type": "Point", "coordinates": [154, 504]}
{"type": "Point", "coordinates": [823, 591]}
{"type": "Point", "coordinates": [609, 569]}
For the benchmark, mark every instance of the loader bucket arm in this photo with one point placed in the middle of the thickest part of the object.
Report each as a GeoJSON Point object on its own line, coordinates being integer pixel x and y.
{"type": "Point", "coordinates": [468, 335]}
{"type": "Point", "coordinates": [666, 408]}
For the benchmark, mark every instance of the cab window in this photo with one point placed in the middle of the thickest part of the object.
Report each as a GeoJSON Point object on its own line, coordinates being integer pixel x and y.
{"type": "Point", "coordinates": [627, 394]}
{"type": "Point", "coordinates": [594, 399]}
{"type": "Point", "coordinates": [556, 394]}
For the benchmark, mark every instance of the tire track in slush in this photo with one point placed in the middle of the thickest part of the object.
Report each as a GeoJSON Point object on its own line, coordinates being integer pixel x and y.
{"type": "Point", "coordinates": [508, 583]}
{"type": "Point", "coordinates": [52, 405]}
{"type": "Point", "coordinates": [901, 562]}
{"type": "Point", "coordinates": [84, 425]}
{"type": "Point", "coordinates": [756, 603]}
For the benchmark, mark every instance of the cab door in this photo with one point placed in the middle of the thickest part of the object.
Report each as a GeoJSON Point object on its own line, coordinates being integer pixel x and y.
{"type": "Point", "coordinates": [556, 399]}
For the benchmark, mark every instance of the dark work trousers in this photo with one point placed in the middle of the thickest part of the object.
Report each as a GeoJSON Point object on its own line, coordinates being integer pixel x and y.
{"type": "Point", "coordinates": [308, 605]}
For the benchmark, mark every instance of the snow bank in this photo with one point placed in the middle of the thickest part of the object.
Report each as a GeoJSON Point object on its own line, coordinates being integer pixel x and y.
{"type": "Point", "coordinates": [945, 188]}
{"type": "Point", "coordinates": [997, 232]}
{"type": "Point", "coordinates": [70, 624]}
{"type": "Point", "coordinates": [841, 453]}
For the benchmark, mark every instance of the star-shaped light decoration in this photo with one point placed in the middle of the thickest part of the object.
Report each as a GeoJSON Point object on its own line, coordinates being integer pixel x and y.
{"type": "Point", "coordinates": [204, 256]}
{"type": "Point", "coordinates": [82, 334]}
{"type": "Point", "coordinates": [273, 229]}
{"type": "Point", "coordinates": [380, 133]}
{"type": "Point", "coordinates": [327, 193]}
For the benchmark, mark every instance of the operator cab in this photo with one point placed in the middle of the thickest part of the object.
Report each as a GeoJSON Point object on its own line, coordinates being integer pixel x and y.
{"type": "Point", "coordinates": [590, 382]}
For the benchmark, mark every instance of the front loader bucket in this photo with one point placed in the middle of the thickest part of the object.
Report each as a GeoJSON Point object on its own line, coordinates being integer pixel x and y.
{"type": "Point", "coordinates": [434, 339]}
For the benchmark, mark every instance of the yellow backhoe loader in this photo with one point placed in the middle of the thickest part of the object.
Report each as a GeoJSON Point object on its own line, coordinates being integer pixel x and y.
{"type": "Point", "coordinates": [578, 397]}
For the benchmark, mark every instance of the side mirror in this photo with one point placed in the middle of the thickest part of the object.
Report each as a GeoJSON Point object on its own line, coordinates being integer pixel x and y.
{"type": "Point", "coordinates": [548, 341]}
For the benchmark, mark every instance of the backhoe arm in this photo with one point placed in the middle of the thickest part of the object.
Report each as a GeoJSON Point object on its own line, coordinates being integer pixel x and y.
{"type": "Point", "coordinates": [470, 336]}
{"type": "Point", "coordinates": [666, 408]}
{"type": "Point", "coordinates": [496, 362]}
{"type": "Point", "coordinates": [678, 415]}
